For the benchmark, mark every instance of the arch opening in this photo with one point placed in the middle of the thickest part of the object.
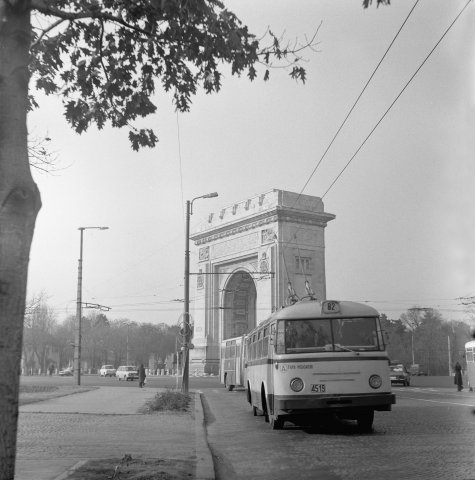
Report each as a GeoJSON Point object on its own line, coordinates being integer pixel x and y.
{"type": "Point", "coordinates": [239, 304]}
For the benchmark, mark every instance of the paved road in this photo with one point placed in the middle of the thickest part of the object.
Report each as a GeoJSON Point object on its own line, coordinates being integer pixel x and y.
{"type": "Point", "coordinates": [429, 435]}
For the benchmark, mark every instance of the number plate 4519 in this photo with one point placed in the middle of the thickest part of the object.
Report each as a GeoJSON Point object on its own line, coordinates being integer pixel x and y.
{"type": "Point", "coordinates": [319, 388]}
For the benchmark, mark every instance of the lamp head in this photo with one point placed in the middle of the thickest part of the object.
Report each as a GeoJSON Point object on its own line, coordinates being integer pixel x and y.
{"type": "Point", "coordinates": [210, 195]}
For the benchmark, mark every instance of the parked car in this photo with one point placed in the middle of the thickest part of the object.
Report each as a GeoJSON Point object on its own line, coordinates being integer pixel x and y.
{"type": "Point", "coordinates": [399, 374]}
{"type": "Point", "coordinates": [127, 372]}
{"type": "Point", "coordinates": [67, 372]}
{"type": "Point", "coordinates": [107, 371]}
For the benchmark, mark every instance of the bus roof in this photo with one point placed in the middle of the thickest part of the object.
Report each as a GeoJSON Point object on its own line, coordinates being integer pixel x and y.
{"type": "Point", "coordinates": [470, 344]}
{"type": "Point", "coordinates": [316, 309]}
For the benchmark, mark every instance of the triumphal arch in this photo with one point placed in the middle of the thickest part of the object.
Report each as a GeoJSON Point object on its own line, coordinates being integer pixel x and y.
{"type": "Point", "coordinates": [249, 253]}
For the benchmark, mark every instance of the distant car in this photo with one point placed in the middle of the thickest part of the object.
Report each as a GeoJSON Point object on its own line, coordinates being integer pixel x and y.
{"type": "Point", "coordinates": [127, 372]}
{"type": "Point", "coordinates": [107, 371]}
{"type": "Point", "coordinates": [399, 374]}
{"type": "Point", "coordinates": [67, 372]}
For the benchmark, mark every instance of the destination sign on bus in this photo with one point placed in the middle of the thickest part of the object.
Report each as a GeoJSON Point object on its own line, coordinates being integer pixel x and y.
{"type": "Point", "coordinates": [330, 306]}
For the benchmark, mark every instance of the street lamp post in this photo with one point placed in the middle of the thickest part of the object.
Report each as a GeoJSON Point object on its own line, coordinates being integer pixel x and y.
{"type": "Point", "coordinates": [77, 343]}
{"type": "Point", "coordinates": [186, 311]}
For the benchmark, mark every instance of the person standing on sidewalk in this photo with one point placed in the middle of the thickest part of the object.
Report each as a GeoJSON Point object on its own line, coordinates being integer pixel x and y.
{"type": "Point", "coordinates": [458, 376]}
{"type": "Point", "coordinates": [141, 375]}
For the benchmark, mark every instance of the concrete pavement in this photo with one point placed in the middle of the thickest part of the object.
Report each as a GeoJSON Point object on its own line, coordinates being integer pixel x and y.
{"type": "Point", "coordinates": [58, 435]}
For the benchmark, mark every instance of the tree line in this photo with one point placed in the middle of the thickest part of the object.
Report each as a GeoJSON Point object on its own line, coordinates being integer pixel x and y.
{"type": "Point", "coordinates": [50, 342]}
{"type": "Point", "coordinates": [422, 336]}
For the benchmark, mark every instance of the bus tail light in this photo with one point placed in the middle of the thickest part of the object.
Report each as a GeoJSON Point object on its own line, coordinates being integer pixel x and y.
{"type": "Point", "coordinates": [375, 381]}
{"type": "Point", "coordinates": [296, 384]}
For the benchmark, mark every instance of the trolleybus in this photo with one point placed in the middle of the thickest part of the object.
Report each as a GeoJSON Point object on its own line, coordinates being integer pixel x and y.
{"type": "Point", "coordinates": [470, 358]}
{"type": "Point", "coordinates": [231, 368]}
{"type": "Point", "coordinates": [313, 358]}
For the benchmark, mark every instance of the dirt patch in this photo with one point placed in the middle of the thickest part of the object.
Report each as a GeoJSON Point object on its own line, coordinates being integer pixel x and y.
{"type": "Point", "coordinates": [39, 393]}
{"type": "Point", "coordinates": [135, 469]}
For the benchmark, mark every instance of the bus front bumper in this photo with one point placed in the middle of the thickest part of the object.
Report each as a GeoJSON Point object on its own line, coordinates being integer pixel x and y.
{"type": "Point", "coordinates": [307, 403]}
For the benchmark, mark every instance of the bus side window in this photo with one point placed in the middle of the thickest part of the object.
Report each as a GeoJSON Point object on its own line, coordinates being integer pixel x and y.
{"type": "Point", "coordinates": [259, 344]}
{"type": "Point", "coordinates": [280, 338]}
{"type": "Point", "coordinates": [265, 343]}
{"type": "Point", "coordinates": [253, 347]}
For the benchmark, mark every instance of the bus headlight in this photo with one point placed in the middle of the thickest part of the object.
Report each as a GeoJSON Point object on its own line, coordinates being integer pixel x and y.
{"type": "Point", "coordinates": [375, 381]}
{"type": "Point", "coordinates": [296, 384]}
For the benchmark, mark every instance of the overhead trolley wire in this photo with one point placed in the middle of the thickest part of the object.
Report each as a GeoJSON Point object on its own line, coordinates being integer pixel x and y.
{"type": "Point", "coordinates": [397, 98]}
{"type": "Point", "coordinates": [357, 99]}
{"type": "Point", "coordinates": [345, 120]}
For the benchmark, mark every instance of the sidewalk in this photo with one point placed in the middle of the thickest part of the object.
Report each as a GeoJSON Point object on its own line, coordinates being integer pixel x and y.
{"type": "Point", "coordinates": [55, 436]}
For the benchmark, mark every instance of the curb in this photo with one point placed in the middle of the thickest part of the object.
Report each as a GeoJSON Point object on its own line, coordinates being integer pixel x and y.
{"type": "Point", "coordinates": [70, 470]}
{"type": "Point", "coordinates": [204, 459]}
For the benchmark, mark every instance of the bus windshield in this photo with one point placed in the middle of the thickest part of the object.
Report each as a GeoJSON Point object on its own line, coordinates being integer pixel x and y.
{"type": "Point", "coordinates": [328, 335]}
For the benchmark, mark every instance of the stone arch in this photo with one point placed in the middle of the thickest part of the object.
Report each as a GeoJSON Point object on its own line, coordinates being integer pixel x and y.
{"type": "Point", "coordinates": [247, 254]}
{"type": "Point", "coordinates": [239, 305]}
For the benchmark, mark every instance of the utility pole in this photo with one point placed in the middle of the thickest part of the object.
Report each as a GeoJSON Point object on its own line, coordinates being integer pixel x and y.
{"type": "Point", "coordinates": [77, 343]}
{"type": "Point", "coordinates": [450, 359]}
{"type": "Point", "coordinates": [186, 310]}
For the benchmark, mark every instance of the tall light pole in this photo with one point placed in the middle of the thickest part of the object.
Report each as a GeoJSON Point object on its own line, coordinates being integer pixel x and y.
{"type": "Point", "coordinates": [77, 343]}
{"type": "Point", "coordinates": [186, 311]}
{"type": "Point", "coordinates": [128, 325]}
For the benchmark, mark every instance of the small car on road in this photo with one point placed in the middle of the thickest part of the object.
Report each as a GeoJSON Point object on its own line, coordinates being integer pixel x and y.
{"type": "Point", "coordinates": [127, 372]}
{"type": "Point", "coordinates": [399, 374]}
{"type": "Point", "coordinates": [107, 371]}
{"type": "Point", "coordinates": [67, 372]}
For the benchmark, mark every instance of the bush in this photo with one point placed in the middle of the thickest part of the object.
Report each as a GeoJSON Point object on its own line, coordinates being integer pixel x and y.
{"type": "Point", "coordinates": [169, 400]}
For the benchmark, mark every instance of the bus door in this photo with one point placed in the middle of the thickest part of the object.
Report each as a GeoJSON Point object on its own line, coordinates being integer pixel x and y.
{"type": "Point", "coordinates": [270, 338]}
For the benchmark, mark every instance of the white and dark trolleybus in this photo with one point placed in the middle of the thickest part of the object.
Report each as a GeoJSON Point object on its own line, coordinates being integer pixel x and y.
{"type": "Point", "coordinates": [470, 359]}
{"type": "Point", "coordinates": [314, 358]}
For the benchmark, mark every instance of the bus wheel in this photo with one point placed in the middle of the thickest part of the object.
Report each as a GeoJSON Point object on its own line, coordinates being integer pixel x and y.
{"type": "Point", "coordinates": [365, 421]}
{"type": "Point", "coordinates": [254, 410]}
{"type": "Point", "coordinates": [230, 388]}
{"type": "Point", "coordinates": [276, 422]}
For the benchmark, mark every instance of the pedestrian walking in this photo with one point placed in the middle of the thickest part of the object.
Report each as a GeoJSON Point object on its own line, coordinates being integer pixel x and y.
{"type": "Point", "coordinates": [141, 375]}
{"type": "Point", "coordinates": [458, 376]}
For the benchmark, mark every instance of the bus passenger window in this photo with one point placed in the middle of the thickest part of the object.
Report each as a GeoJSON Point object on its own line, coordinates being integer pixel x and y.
{"type": "Point", "coordinates": [265, 346]}
{"type": "Point", "coordinates": [280, 338]}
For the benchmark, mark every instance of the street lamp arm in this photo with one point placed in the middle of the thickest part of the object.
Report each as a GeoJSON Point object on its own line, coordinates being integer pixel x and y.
{"type": "Point", "coordinates": [207, 195]}
{"type": "Point", "coordinates": [93, 228]}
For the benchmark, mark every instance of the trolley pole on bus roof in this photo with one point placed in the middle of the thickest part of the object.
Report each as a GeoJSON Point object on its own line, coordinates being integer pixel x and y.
{"type": "Point", "coordinates": [186, 330]}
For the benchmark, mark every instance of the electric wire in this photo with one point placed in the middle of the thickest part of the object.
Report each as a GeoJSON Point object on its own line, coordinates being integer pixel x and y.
{"type": "Point", "coordinates": [396, 99]}
{"type": "Point", "coordinates": [358, 98]}
{"type": "Point", "coordinates": [180, 169]}
{"type": "Point", "coordinates": [350, 111]}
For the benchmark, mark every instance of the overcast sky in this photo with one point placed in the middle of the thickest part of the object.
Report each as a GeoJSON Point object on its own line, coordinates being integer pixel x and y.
{"type": "Point", "coordinates": [404, 232]}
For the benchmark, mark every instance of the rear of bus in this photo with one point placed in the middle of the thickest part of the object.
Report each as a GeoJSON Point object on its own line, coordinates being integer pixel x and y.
{"type": "Point", "coordinates": [328, 357]}
{"type": "Point", "coordinates": [231, 371]}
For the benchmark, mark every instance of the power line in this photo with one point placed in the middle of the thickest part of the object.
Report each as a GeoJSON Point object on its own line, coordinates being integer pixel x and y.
{"type": "Point", "coordinates": [345, 120]}
{"type": "Point", "coordinates": [397, 98]}
{"type": "Point", "coordinates": [358, 98]}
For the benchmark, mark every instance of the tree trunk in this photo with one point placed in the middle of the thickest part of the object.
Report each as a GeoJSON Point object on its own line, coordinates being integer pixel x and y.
{"type": "Point", "coordinates": [19, 206]}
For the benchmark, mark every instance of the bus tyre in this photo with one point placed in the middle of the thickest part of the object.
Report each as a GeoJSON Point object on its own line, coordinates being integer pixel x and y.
{"type": "Point", "coordinates": [276, 422]}
{"type": "Point", "coordinates": [254, 410]}
{"type": "Point", "coordinates": [365, 421]}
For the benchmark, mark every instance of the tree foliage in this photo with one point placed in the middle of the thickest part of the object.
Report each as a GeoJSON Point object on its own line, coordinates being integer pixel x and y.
{"type": "Point", "coordinates": [425, 336]}
{"type": "Point", "coordinates": [104, 341]}
{"type": "Point", "coordinates": [106, 59]}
